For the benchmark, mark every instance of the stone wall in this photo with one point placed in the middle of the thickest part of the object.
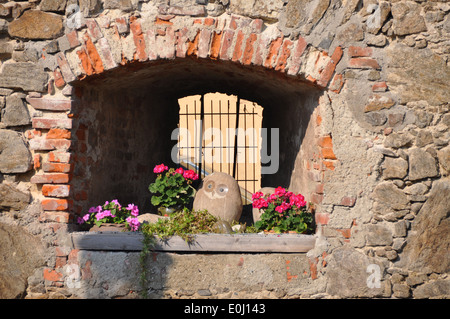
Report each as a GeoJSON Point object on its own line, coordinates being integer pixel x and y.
{"type": "Point", "coordinates": [372, 154]}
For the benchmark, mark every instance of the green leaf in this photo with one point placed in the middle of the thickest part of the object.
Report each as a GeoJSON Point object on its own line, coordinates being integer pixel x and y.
{"type": "Point", "coordinates": [156, 200]}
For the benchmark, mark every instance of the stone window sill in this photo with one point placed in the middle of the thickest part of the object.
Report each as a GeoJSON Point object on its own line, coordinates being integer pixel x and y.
{"type": "Point", "coordinates": [248, 243]}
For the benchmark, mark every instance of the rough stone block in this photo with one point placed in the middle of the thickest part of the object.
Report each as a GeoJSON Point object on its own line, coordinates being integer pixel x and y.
{"type": "Point", "coordinates": [35, 24]}
{"type": "Point", "coordinates": [24, 75]}
{"type": "Point", "coordinates": [421, 164]}
{"type": "Point", "coordinates": [11, 197]}
{"type": "Point", "coordinates": [14, 155]}
{"type": "Point", "coordinates": [15, 113]}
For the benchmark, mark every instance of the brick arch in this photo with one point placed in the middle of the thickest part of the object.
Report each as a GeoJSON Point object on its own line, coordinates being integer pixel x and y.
{"type": "Point", "coordinates": [104, 46]}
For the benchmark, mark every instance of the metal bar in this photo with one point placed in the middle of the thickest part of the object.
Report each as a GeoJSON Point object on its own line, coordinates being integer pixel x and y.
{"type": "Point", "coordinates": [238, 103]}
{"type": "Point", "coordinates": [200, 149]}
{"type": "Point", "coordinates": [220, 128]}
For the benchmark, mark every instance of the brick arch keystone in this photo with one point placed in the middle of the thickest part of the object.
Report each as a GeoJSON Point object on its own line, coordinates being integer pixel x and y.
{"type": "Point", "coordinates": [100, 47]}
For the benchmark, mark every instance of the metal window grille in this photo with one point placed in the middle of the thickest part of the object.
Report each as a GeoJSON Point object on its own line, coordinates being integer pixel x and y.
{"type": "Point", "coordinates": [222, 133]}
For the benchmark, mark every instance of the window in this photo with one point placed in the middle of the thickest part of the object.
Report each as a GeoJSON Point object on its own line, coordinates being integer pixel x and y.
{"type": "Point", "coordinates": [219, 132]}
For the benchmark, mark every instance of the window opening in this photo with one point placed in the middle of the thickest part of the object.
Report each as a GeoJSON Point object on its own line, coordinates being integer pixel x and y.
{"type": "Point", "coordinates": [221, 133]}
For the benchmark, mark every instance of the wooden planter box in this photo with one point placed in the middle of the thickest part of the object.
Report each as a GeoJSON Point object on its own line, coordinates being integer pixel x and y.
{"type": "Point", "coordinates": [250, 243]}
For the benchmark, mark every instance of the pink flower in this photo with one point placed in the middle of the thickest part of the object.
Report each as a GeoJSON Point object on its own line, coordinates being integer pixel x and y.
{"type": "Point", "coordinates": [257, 195]}
{"type": "Point", "coordinates": [134, 223]}
{"type": "Point", "coordinates": [134, 209]}
{"type": "Point", "coordinates": [297, 200]}
{"type": "Point", "coordinates": [101, 215]}
{"type": "Point", "coordinates": [160, 168]}
{"type": "Point", "coordinates": [190, 174]}
{"type": "Point", "coordinates": [260, 203]}
{"type": "Point", "coordinates": [272, 197]}
{"type": "Point", "coordinates": [280, 191]}
{"type": "Point", "coordinates": [82, 220]}
{"type": "Point", "coordinates": [179, 170]}
{"type": "Point", "coordinates": [283, 207]}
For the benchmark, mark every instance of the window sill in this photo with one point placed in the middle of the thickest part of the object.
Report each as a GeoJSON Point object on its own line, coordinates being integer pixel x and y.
{"type": "Point", "coordinates": [248, 243]}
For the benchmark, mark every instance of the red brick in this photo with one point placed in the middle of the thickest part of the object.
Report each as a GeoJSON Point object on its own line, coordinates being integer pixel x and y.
{"type": "Point", "coordinates": [328, 71]}
{"type": "Point", "coordinates": [318, 120]}
{"type": "Point", "coordinates": [73, 256]}
{"type": "Point", "coordinates": [347, 232]}
{"type": "Point", "coordinates": [256, 25]}
{"type": "Point", "coordinates": [165, 45]}
{"type": "Point", "coordinates": [215, 45]}
{"type": "Point", "coordinates": [37, 158]}
{"type": "Point", "coordinates": [93, 55]}
{"type": "Point", "coordinates": [59, 157]}
{"type": "Point", "coordinates": [29, 134]}
{"type": "Point", "coordinates": [274, 48]}
{"type": "Point", "coordinates": [43, 144]}
{"type": "Point", "coordinates": [93, 29]}
{"type": "Point", "coordinates": [48, 123]}
{"type": "Point", "coordinates": [249, 48]}
{"type": "Point", "coordinates": [59, 80]}
{"type": "Point", "coordinates": [322, 218]}
{"type": "Point", "coordinates": [237, 52]}
{"type": "Point", "coordinates": [50, 190]}
{"type": "Point", "coordinates": [284, 55]}
{"type": "Point", "coordinates": [105, 50]}
{"type": "Point", "coordinates": [259, 55]}
{"type": "Point", "coordinates": [57, 167]}
{"type": "Point", "coordinates": [64, 66]}
{"type": "Point", "coordinates": [55, 217]}
{"type": "Point", "coordinates": [81, 195]}
{"type": "Point", "coordinates": [363, 63]}
{"type": "Point", "coordinates": [233, 22]}
{"type": "Point", "coordinates": [359, 51]}
{"type": "Point", "coordinates": [227, 41]}
{"type": "Point", "coordinates": [319, 188]}
{"type": "Point", "coordinates": [160, 21]}
{"type": "Point", "coordinates": [58, 133]}
{"type": "Point", "coordinates": [138, 38]}
{"type": "Point", "coordinates": [204, 43]}
{"type": "Point", "coordinates": [60, 252]}
{"type": "Point", "coordinates": [313, 267]}
{"type": "Point", "coordinates": [325, 141]}
{"type": "Point", "coordinates": [192, 48]}
{"type": "Point", "coordinates": [348, 201]}
{"type": "Point", "coordinates": [52, 204]}
{"type": "Point", "coordinates": [327, 153]}
{"type": "Point", "coordinates": [52, 275]}
{"type": "Point", "coordinates": [316, 198]}
{"type": "Point", "coordinates": [85, 62]}
{"type": "Point", "coordinates": [209, 22]}
{"type": "Point", "coordinates": [379, 87]}
{"type": "Point", "coordinates": [122, 25]}
{"type": "Point", "coordinates": [181, 42]}
{"type": "Point", "coordinates": [60, 262]}
{"type": "Point", "coordinates": [72, 38]}
{"type": "Point", "coordinates": [329, 165]}
{"type": "Point", "coordinates": [50, 104]}
{"type": "Point", "coordinates": [50, 178]}
{"type": "Point", "coordinates": [337, 83]}
{"type": "Point", "coordinates": [150, 39]}
{"type": "Point", "coordinates": [296, 56]}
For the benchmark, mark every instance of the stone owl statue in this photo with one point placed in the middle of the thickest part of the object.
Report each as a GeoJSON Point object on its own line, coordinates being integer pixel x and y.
{"type": "Point", "coordinates": [219, 194]}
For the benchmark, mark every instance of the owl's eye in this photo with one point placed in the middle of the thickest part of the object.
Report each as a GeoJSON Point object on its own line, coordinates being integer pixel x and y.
{"type": "Point", "coordinates": [210, 186]}
{"type": "Point", "coordinates": [222, 189]}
